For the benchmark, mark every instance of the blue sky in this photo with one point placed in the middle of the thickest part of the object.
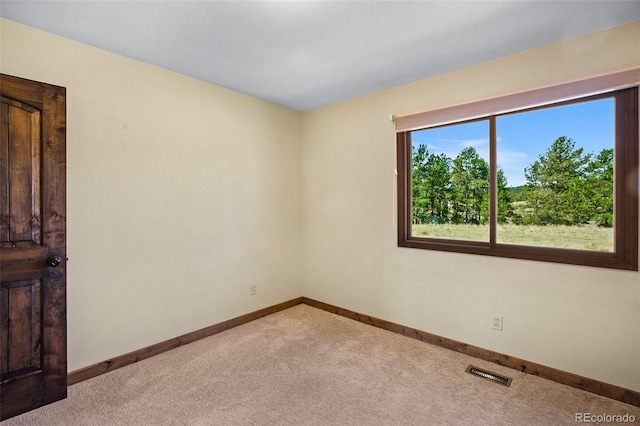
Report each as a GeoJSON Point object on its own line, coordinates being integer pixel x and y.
{"type": "Point", "coordinates": [525, 136]}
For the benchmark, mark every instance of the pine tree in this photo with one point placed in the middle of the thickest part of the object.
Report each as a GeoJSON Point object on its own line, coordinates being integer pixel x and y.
{"type": "Point", "coordinates": [555, 189]}
{"type": "Point", "coordinates": [418, 184]}
{"type": "Point", "coordinates": [470, 188]}
{"type": "Point", "coordinates": [438, 187]}
{"type": "Point", "coordinates": [505, 198]}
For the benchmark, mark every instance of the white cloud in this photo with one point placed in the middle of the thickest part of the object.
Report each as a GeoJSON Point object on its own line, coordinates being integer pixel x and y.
{"type": "Point", "coordinates": [513, 164]}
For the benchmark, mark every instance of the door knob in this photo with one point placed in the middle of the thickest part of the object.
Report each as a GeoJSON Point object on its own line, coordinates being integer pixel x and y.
{"type": "Point", "coordinates": [54, 261]}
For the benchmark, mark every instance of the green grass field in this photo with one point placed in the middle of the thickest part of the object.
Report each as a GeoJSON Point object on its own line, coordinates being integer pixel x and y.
{"type": "Point", "coordinates": [586, 237]}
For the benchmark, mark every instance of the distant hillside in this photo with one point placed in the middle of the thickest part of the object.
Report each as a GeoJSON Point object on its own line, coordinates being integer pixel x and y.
{"type": "Point", "coordinates": [516, 190]}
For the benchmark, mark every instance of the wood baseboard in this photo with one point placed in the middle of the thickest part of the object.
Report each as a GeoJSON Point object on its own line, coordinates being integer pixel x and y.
{"type": "Point", "coordinates": [590, 385]}
{"type": "Point", "coordinates": [149, 351]}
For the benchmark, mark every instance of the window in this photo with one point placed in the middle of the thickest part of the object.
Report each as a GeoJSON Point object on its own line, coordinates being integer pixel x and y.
{"type": "Point", "coordinates": [554, 182]}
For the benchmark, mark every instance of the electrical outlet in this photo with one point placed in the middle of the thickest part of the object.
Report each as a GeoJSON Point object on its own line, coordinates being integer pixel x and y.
{"type": "Point", "coordinates": [497, 322]}
{"type": "Point", "coordinates": [253, 289]}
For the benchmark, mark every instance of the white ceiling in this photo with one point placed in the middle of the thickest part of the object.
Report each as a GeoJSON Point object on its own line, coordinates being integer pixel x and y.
{"type": "Point", "coordinates": [307, 54]}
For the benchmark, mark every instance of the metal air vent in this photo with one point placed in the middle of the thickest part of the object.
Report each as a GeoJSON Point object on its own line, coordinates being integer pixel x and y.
{"type": "Point", "coordinates": [493, 377]}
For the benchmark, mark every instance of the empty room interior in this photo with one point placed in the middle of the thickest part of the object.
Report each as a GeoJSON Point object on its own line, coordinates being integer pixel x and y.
{"type": "Point", "coordinates": [251, 168]}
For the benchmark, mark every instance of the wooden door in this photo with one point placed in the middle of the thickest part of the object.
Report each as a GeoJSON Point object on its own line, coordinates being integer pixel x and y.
{"type": "Point", "coordinates": [33, 337]}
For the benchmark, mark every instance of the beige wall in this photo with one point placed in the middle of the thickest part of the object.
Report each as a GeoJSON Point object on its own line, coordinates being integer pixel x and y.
{"type": "Point", "coordinates": [180, 195]}
{"type": "Point", "coordinates": [578, 319]}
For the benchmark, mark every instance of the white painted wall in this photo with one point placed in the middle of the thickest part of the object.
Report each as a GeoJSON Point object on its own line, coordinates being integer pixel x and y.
{"type": "Point", "coordinates": [578, 319]}
{"type": "Point", "coordinates": [180, 195]}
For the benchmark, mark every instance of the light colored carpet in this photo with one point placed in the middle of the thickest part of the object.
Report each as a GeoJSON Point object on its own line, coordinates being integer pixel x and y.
{"type": "Point", "coordinates": [304, 366]}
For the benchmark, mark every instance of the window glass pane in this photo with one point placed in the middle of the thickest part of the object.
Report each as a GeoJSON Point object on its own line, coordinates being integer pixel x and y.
{"type": "Point", "coordinates": [450, 188]}
{"type": "Point", "coordinates": [555, 177]}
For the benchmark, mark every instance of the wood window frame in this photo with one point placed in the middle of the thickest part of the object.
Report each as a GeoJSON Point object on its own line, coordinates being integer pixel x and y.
{"type": "Point", "coordinates": [623, 86]}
